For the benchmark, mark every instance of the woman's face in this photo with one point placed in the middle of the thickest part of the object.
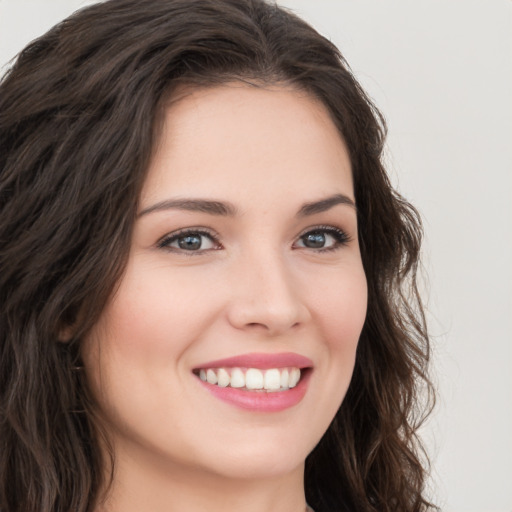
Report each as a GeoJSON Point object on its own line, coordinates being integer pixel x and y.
{"type": "Point", "coordinates": [245, 249]}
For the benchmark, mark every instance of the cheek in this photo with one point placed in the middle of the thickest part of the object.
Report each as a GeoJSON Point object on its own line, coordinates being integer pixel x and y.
{"type": "Point", "coordinates": [139, 341]}
{"type": "Point", "coordinates": [155, 313]}
{"type": "Point", "coordinates": [340, 307]}
{"type": "Point", "coordinates": [340, 312]}
{"type": "Point", "coordinates": [134, 356]}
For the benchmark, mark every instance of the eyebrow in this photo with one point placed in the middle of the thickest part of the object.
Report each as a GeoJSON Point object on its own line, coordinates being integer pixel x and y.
{"type": "Point", "coordinates": [229, 210]}
{"type": "Point", "coordinates": [325, 204]}
{"type": "Point", "coordinates": [193, 205]}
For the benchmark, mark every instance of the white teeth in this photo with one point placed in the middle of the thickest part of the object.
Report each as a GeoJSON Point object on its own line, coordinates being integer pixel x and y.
{"type": "Point", "coordinates": [253, 379]}
{"type": "Point", "coordinates": [294, 377]}
{"type": "Point", "coordinates": [223, 378]}
{"type": "Point", "coordinates": [237, 378]}
{"type": "Point", "coordinates": [211, 377]}
{"type": "Point", "coordinates": [284, 378]}
{"type": "Point", "coordinates": [273, 379]}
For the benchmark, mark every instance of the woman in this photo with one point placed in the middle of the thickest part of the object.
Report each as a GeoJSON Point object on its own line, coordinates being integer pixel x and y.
{"type": "Point", "coordinates": [208, 284]}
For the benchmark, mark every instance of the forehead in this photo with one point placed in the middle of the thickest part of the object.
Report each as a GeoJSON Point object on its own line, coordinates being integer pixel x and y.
{"type": "Point", "coordinates": [235, 137]}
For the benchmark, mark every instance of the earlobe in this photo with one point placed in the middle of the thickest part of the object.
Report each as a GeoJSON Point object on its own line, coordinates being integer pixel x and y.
{"type": "Point", "coordinates": [65, 334]}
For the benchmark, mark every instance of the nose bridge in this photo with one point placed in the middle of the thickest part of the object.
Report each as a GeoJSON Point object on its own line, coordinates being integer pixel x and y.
{"type": "Point", "coordinates": [266, 295]}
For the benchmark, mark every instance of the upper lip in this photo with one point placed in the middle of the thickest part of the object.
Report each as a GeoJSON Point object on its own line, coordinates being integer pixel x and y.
{"type": "Point", "coordinates": [263, 361]}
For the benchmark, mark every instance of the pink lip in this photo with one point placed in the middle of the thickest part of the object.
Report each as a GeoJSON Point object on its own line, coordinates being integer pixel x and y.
{"type": "Point", "coordinates": [261, 401]}
{"type": "Point", "coordinates": [263, 361]}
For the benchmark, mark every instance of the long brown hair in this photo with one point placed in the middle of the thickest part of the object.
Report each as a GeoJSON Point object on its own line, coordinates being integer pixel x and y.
{"type": "Point", "coordinates": [78, 118]}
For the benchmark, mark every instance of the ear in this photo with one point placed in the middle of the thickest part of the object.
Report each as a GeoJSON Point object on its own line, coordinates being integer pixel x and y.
{"type": "Point", "coordinates": [69, 324]}
{"type": "Point", "coordinates": [65, 334]}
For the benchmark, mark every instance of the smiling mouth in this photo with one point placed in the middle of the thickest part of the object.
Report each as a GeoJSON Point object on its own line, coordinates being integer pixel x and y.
{"type": "Point", "coordinates": [252, 379]}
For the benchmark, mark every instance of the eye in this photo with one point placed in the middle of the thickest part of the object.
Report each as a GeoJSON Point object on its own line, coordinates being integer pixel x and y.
{"type": "Point", "coordinates": [189, 240]}
{"type": "Point", "coordinates": [323, 239]}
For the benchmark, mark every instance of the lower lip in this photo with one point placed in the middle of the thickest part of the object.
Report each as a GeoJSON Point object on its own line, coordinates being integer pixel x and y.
{"type": "Point", "coordinates": [261, 401]}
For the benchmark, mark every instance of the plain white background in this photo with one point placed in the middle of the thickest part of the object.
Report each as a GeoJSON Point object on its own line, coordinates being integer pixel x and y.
{"type": "Point", "coordinates": [441, 71]}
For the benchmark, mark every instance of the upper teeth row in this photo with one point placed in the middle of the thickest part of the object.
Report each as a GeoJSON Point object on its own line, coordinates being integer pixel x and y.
{"type": "Point", "coordinates": [273, 379]}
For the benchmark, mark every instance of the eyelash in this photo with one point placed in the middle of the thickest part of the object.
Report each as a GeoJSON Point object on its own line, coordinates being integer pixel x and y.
{"type": "Point", "coordinates": [341, 237]}
{"type": "Point", "coordinates": [165, 242]}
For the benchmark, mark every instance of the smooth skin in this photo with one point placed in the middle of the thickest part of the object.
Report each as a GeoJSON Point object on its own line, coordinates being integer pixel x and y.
{"type": "Point", "coordinates": [262, 272]}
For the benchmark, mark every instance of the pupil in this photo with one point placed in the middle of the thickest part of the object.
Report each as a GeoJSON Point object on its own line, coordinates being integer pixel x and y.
{"type": "Point", "coordinates": [315, 240]}
{"type": "Point", "coordinates": [190, 242]}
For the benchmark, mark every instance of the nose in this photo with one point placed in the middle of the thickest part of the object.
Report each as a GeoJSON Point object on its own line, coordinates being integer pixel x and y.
{"type": "Point", "coordinates": [266, 297]}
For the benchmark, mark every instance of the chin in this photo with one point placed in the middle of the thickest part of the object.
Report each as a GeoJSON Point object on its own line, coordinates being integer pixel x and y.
{"type": "Point", "coordinates": [276, 465]}
{"type": "Point", "coordinates": [261, 458]}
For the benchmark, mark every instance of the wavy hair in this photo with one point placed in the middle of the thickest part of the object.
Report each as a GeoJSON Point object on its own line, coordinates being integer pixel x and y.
{"type": "Point", "coordinates": [79, 113]}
